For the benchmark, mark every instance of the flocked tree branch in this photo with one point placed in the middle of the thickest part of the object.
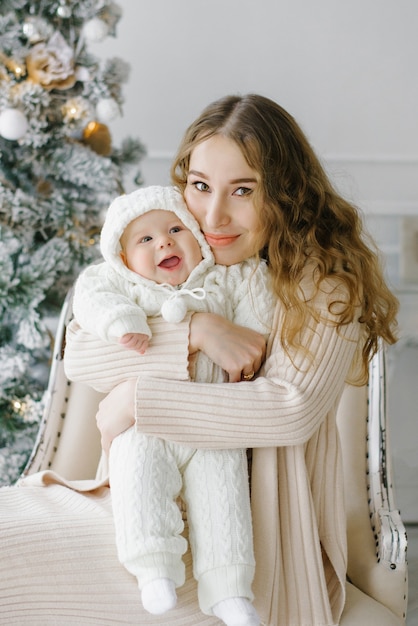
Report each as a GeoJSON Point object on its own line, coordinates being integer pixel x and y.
{"type": "Point", "coordinates": [58, 173]}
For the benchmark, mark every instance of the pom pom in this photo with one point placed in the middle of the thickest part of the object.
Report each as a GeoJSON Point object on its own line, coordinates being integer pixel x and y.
{"type": "Point", "coordinates": [174, 310]}
{"type": "Point", "coordinates": [95, 30]}
{"type": "Point", "coordinates": [13, 124]}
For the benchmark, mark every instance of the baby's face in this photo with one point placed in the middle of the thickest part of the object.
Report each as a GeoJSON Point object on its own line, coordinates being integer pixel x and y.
{"type": "Point", "coordinates": [159, 247]}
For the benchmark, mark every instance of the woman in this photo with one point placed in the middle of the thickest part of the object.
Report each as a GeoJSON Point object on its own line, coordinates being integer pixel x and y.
{"type": "Point", "coordinates": [254, 184]}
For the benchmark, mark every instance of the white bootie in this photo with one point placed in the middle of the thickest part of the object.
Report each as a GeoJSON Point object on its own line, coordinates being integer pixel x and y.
{"type": "Point", "coordinates": [236, 612]}
{"type": "Point", "coordinates": [159, 596]}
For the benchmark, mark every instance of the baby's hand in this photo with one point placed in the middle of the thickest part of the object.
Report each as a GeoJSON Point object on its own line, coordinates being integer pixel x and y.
{"type": "Point", "coordinates": [135, 341]}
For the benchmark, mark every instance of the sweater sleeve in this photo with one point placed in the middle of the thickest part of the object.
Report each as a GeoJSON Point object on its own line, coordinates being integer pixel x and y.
{"type": "Point", "coordinates": [102, 306]}
{"type": "Point", "coordinates": [101, 365]}
{"type": "Point", "coordinates": [284, 406]}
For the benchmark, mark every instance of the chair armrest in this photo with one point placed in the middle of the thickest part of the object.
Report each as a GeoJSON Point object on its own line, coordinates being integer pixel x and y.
{"type": "Point", "coordinates": [375, 533]}
{"type": "Point", "coordinates": [68, 441]}
{"type": "Point", "coordinates": [390, 534]}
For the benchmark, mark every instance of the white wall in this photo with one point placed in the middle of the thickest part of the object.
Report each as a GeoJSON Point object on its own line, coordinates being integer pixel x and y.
{"type": "Point", "coordinates": [346, 69]}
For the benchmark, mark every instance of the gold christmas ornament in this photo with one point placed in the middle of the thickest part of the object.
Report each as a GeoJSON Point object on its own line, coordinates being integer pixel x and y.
{"type": "Point", "coordinates": [97, 137]}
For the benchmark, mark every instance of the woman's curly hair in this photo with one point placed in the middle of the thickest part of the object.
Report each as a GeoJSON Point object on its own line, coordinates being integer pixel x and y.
{"type": "Point", "coordinates": [304, 219]}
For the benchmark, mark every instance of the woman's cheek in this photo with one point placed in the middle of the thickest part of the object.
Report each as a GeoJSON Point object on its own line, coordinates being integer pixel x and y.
{"type": "Point", "coordinates": [192, 204]}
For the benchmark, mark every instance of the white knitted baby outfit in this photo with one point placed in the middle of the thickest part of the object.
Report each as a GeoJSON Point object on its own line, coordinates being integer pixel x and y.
{"type": "Point", "coordinates": [148, 474]}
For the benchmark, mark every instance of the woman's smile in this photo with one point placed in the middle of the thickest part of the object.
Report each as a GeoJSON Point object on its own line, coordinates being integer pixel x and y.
{"type": "Point", "coordinates": [220, 240]}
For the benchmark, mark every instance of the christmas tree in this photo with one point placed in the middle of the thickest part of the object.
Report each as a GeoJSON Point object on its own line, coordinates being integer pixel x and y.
{"type": "Point", "coordinates": [58, 173]}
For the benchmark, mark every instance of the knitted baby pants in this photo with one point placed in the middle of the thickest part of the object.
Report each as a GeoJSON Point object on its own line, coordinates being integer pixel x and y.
{"type": "Point", "coordinates": [146, 477]}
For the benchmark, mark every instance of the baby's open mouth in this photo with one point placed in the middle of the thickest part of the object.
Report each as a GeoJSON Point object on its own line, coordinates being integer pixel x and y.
{"type": "Point", "coordinates": [170, 262]}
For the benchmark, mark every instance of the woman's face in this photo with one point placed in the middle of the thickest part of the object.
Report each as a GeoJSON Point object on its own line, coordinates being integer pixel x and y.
{"type": "Point", "coordinates": [220, 194]}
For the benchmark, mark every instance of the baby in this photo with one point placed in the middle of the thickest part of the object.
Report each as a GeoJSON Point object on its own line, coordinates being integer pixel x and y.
{"type": "Point", "coordinates": [157, 262]}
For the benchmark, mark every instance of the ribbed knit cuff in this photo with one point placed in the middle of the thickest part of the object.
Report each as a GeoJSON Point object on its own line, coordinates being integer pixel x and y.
{"type": "Point", "coordinates": [221, 583]}
{"type": "Point", "coordinates": [103, 365]}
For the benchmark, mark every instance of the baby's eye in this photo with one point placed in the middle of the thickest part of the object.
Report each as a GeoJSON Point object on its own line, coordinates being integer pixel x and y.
{"type": "Point", "coordinates": [175, 229]}
{"type": "Point", "coordinates": [201, 186]}
{"type": "Point", "coordinates": [145, 239]}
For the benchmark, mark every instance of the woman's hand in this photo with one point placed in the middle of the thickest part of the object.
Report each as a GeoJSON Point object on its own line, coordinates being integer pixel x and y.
{"type": "Point", "coordinates": [116, 412]}
{"type": "Point", "coordinates": [239, 351]}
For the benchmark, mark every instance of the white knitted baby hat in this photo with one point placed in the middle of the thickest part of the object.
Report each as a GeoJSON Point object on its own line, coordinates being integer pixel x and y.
{"type": "Point", "coordinates": [128, 207]}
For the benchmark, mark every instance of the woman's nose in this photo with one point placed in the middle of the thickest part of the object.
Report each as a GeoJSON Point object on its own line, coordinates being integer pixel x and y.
{"type": "Point", "coordinates": [217, 212]}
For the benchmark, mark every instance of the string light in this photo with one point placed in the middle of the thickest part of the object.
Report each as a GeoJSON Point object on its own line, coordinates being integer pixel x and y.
{"type": "Point", "coordinates": [74, 109]}
{"type": "Point", "coordinates": [18, 68]}
{"type": "Point", "coordinates": [19, 71]}
{"type": "Point", "coordinates": [19, 406]}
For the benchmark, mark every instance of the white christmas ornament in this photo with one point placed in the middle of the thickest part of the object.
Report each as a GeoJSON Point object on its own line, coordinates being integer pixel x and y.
{"type": "Point", "coordinates": [107, 110]}
{"type": "Point", "coordinates": [95, 30]}
{"type": "Point", "coordinates": [13, 124]}
{"type": "Point", "coordinates": [82, 74]}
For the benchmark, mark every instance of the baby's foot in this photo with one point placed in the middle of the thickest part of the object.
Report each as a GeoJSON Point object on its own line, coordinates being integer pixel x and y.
{"type": "Point", "coordinates": [159, 596]}
{"type": "Point", "coordinates": [236, 612]}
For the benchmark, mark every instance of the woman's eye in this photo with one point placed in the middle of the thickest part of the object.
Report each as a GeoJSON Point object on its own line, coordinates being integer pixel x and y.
{"type": "Point", "coordinates": [201, 186]}
{"type": "Point", "coordinates": [243, 191]}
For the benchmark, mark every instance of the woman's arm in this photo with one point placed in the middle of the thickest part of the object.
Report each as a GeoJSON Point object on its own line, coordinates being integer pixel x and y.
{"type": "Point", "coordinates": [232, 346]}
{"type": "Point", "coordinates": [101, 365]}
{"type": "Point", "coordinates": [283, 407]}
